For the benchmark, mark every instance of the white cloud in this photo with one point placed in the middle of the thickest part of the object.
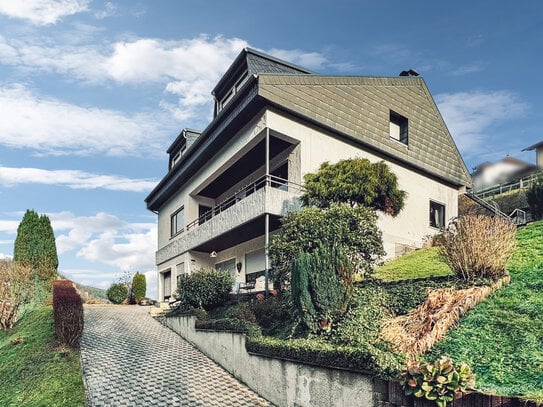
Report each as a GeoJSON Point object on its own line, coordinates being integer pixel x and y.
{"type": "Point", "coordinates": [109, 10]}
{"type": "Point", "coordinates": [73, 179]}
{"type": "Point", "coordinates": [471, 116]}
{"type": "Point", "coordinates": [104, 238]}
{"type": "Point", "coordinates": [5, 256]}
{"type": "Point", "coordinates": [51, 126]}
{"type": "Point", "coordinates": [311, 60]}
{"type": "Point", "coordinates": [188, 69]}
{"type": "Point", "coordinates": [9, 226]}
{"type": "Point", "coordinates": [127, 249]}
{"type": "Point", "coordinates": [42, 12]}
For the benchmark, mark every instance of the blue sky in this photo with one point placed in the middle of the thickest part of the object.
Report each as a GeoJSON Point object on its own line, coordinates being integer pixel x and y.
{"type": "Point", "coordinates": [93, 92]}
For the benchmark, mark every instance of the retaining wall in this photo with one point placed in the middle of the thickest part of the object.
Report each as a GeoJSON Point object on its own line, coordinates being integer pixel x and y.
{"type": "Point", "coordinates": [287, 383]}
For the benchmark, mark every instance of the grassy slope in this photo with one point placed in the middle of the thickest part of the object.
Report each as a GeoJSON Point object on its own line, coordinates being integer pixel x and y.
{"type": "Point", "coordinates": [419, 264]}
{"type": "Point", "coordinates": [502, 338]}
{"type": "Point", "coordinates": [33, 373]}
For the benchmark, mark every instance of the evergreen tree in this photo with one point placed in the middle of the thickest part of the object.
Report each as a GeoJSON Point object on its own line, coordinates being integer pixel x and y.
{"type": "Point", "coordinates": [35, 246]}
{"type": "Point", "coordinates": [356, 182]}
{"type": "Point", "coordinates": [139, 286]}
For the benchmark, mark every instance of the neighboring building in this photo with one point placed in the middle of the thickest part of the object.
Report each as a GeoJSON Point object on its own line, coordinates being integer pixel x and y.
{"type": "Point", "coordinates": [504, 171]}
{"type": "Point", "coordinates": [538, 147]}
{"type": "Point", "coordinates": [228, 186]}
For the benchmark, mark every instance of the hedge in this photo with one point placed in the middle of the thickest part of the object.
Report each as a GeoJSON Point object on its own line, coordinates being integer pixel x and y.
{"type": "Point", "coordinates": [67, 313]}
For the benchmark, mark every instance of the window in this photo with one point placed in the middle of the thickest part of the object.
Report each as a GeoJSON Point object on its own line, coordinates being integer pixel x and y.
{"type": "Point", "coordinates": [177, 222]}
{"type": "Point", "coordinates": [437, 215]}
{"type": "Point", "coordinates": [398, 128]}
{"type": "Point", "coordinates": [228, 266]}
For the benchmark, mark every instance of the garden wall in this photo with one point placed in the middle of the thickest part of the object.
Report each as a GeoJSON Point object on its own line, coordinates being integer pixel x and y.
{"type": "Point", "coordinates": [282, 382]}
{"type": "Point", "coordinates": [287, 383]}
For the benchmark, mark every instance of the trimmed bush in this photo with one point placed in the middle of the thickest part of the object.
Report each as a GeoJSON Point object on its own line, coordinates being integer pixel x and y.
{"type": "Point", "coordinates": [117, 293]}
{"type": "Point", "coordinates": [478, 246]}
{"type": "Point", "coordinates": [354, 181]}
{"type": "Point", "coordinates": [364, 357]}
{"type": "Point", "coordinates": [139, 287]}
{"type": "Point", "coordinates": [205, 289]}
{"type": "Point", "coordinates": [231, 324]}
{"type": "Point", "coordinates": [67, 313]}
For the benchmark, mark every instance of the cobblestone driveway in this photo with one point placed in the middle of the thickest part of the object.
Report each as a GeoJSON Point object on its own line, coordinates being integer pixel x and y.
{"type": "Point", "coordinates": [129, 359]}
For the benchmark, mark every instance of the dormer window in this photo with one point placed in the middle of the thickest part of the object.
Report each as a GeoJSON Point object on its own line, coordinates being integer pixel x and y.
{"type": "Point", "coordinates": [232, 91]}
{"type": "Point", "coordinates": [178, 156]}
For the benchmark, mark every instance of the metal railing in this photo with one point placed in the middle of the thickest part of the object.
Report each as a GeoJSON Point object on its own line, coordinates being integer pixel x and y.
{"type": "Point", "coordinates": [266, 180]}
{"type": "Point", "coordinates": [498, 189]}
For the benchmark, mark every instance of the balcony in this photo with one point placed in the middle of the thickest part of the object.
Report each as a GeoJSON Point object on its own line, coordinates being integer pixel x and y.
{"type": "Point", "coordinates": [237, 218]}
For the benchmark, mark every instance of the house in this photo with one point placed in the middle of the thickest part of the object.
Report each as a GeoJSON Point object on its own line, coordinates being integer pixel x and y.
{"type": "Point", "coordinates": [504, 171]}
{"type": "Point", "coordinates": [228, 186]}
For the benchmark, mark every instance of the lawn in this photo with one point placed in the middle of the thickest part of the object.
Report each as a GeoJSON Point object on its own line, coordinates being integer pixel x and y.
{"type": "Point", "coordinates": [418, 264]}
{"type": "Point", "coordinates": [34, 372]}
{"type": "Point", "coordinates": [502, 338]}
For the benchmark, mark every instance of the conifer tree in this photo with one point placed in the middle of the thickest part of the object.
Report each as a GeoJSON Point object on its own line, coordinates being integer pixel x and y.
{"type": "Point", "coordinates": [35, 246]}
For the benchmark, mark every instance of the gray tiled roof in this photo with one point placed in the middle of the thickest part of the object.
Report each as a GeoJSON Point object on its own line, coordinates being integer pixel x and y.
{"type": "Point", "coordinates": [258, 63]}
{"type": "Point", "coordinates": [359, 107]}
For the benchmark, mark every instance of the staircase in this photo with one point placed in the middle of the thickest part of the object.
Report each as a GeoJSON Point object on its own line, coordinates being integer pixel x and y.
{"type": "Point", "coordinates": [518, 216]}
{"type": "Point", "coordinates": [160, 310]}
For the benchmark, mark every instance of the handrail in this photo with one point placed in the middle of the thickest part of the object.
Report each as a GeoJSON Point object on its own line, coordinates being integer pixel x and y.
{"type": "Point", "coordinates": [493, 208]}
{"type": "Point", "coordinates": [242, 193]}
{"type": "Point", "coordinates": [519, 183]}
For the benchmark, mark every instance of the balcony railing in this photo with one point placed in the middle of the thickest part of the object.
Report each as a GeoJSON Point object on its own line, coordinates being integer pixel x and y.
{"type": "Point", "coordinates": [266, 180]}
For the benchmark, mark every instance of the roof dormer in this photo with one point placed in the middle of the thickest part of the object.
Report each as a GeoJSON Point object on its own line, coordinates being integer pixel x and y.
{"type": "Point", "coordinates": [181, 144]}
{"type": "Point", "coordinates": [248, 63]}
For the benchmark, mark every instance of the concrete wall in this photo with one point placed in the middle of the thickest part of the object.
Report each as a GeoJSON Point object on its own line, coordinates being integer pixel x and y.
{"type": "Point", "coordinates": [283, 383]}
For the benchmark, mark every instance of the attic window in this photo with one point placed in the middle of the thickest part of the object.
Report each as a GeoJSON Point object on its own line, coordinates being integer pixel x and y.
{"type": "Point", "coordinates": [398, 128]}
{"type": "Point", "coordinates": [178, 156]}
{"type": "Point", "coordinates": [232, 92]}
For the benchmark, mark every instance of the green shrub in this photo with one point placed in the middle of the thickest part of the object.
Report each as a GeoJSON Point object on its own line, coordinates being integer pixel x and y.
{"type": "Point", "coordinates": [231, 324]}
{"type": "Point", "coordinates": [318, 290]}
{"type": "Point", "coordinates": [139, 287]}
{"type": "Point", "coordinates": [117, 293]}
{"type": "Point", "coordinates": [354, 181]}
{"type": "Point", "coordinates": [478, 246]}
{"type": "Point", "coordinates": [365, 357]}
{"type": "Point", "coordinates": [274, 314]}
{"type": "Point", "coordinates": [438, 381]}
{"type": "Point", "coordinates": [205, 289]}
{"type": "Point", "coordinates": [534, 196]}
{"type": "Point", "coordinates": [354, 229]}
{"type": "Point", "coordinates": [243, 311]}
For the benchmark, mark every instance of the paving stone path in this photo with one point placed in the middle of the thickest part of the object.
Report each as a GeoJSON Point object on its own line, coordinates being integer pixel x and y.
{"type": "Point", "coordinates": [129, 359]}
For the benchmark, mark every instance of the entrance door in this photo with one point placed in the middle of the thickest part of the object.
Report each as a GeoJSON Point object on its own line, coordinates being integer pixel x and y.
{"type": "Point", "coordinates": [167, 285]}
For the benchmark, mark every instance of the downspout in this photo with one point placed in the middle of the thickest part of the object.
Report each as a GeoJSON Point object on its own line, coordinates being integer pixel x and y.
{"type": "Point", "coordinates": [267, 219]}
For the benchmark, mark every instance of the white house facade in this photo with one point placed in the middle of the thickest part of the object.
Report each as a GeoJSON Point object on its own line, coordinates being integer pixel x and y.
{"type": "Point", "coordinates": [228, 186]}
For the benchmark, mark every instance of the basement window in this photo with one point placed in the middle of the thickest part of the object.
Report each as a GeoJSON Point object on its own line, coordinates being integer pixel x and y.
{"type": "Point", "coordinates": [437, 215]}
{"type": "Point", "coordinates": [398, 128]}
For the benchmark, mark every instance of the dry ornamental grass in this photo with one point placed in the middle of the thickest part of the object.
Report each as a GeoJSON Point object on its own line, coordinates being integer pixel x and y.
{"type": "Point", "coordinates": [417, 331]}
